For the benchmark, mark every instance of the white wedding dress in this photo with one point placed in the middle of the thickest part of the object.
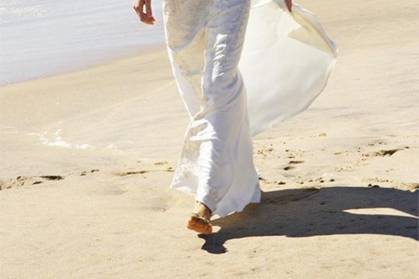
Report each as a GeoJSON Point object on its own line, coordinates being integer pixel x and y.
{"type": "Point", "coordinates": [237, 80]}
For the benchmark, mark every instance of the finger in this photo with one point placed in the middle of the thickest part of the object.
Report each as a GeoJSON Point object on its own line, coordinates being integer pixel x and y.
{"type": "Point", "coordinates": [289, 5]}
{"type": "Point", "coordinates": [137, 7]}
{"type": "Point", "coordinates": [140, 11]}
{"type": "Point", "coordinates": [140, 15]}
{"type": "Point", "coordinates": [148, 10]}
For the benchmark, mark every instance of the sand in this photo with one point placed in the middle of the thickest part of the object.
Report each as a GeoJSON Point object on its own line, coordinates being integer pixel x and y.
{"type": "Point", "coordinates": [340, 179]}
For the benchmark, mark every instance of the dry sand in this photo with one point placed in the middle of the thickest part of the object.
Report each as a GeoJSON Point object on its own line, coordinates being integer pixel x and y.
{"type": "Point", "coordinates": [341, 179]}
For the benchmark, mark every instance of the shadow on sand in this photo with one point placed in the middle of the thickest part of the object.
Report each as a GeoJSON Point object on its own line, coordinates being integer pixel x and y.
{"type": "Point", "coordinates": [315, 212]}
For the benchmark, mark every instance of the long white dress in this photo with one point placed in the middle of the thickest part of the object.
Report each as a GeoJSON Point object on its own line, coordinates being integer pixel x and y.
{"type": "Point", "coordinates": [240, 66]}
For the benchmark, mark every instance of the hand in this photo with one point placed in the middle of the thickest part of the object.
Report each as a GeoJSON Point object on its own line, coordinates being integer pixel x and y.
{"type": "Point", "coordinates": [289, 4]}
{"type": "Point", "coordinates": [147, 16]}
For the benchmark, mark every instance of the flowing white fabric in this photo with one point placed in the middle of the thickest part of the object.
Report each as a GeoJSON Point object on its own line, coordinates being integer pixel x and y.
{"type": "Point", "coordinates": [286, 61]}
{"type": "Point", "coordinates": [240, 66]}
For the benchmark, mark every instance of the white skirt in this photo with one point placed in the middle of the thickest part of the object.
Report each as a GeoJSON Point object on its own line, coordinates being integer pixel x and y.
{"type": "Point", "coordinates": [240, 66]}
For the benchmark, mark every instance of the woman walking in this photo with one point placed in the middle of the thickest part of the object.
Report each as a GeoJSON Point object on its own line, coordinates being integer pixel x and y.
{"type": "Point", "coordinates": [205, 41]}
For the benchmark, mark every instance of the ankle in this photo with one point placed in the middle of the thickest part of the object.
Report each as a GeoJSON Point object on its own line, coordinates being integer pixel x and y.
{"type": "Point", "coordinates": [203, 210]}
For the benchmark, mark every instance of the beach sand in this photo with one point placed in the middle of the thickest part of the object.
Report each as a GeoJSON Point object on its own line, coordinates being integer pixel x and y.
{"type": "Point", "coordinates": [340, 180]}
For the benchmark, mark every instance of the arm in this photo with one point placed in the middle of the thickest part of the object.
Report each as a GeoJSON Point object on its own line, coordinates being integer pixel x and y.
{"type": "Point", "coordinates": [145, 16]}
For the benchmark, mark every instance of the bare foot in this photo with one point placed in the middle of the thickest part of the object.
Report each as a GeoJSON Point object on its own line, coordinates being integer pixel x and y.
{"type": "Point", "coordinates": [199, 221]}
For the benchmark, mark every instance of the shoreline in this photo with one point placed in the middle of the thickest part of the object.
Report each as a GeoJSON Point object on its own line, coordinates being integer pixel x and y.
{"type": "Point", "coordinates": [55, 116]}
{"type": "Point", "coordinates": [143, 50]}
{"type": "Point", "coordinates": [48, 38]}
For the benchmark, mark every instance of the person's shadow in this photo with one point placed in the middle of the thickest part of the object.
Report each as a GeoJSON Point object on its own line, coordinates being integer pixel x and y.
{"type": "Point", "coordinates": [312, 212]}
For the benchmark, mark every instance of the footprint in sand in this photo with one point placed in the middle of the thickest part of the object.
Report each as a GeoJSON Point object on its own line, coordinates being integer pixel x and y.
{"type": "Point", "coordinates": [27, 180]}
{"type": "Point", "coordinates": [384, 152]}
{"type": "Point", "coordinates": [377, 142]}
{"type": "Point", "coordinates": [161, 163]}
{"type": "Point", "coordinates": [267, 181]}
{"type": "Point", "coordinates": [388, 152]}
{"type": "Point", "coordinates": [126, 173]}
{"type": "Point", "coordinates": [83, 173]}
{"type": "Point", "coordinates": [347, 168]}
{"type": "Point", "coordinates": [287, 168]}
{"type": "Point", "coordinates": [379, 182]}
{"type": "Point", "coordinates": [265, 151]}
{"type": "Point", "coordinates": [321, 180]}
{"type": "Point", "coordinates": [52, 177]}
{"type": "Point", "coordinates": [143, 171]}
{"type": "Point", "coordinates": [292, 163]}
{"type": "Point", "coordinates": [261, 178]}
